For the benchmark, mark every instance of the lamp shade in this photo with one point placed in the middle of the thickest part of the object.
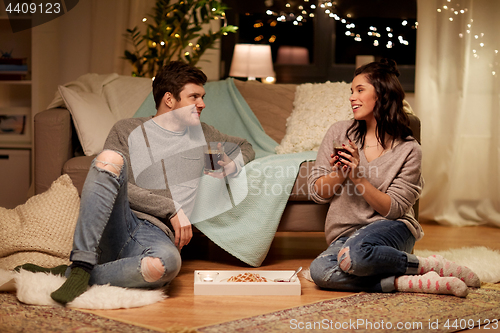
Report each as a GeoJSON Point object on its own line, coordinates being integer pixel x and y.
{"type": "Point", "coordinates": [252, 60]}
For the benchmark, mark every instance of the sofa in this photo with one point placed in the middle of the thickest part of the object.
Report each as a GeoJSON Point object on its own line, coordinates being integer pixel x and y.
{"type": "Point", "coordinates": [57, 150]}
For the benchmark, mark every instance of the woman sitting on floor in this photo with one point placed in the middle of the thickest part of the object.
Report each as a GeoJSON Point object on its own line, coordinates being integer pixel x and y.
{"type": "Point", "coordinates": [371, 188]}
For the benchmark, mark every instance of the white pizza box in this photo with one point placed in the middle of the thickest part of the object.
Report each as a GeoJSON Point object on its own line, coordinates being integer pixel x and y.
{"type": "Point", "coordinates": [215, 283]}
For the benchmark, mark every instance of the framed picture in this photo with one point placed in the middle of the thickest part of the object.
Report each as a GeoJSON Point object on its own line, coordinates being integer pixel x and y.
{"type": "Point", "coordinates": [15, 125]}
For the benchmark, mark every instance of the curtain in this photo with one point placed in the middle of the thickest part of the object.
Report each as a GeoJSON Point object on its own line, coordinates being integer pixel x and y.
{"type": "Point", "coordinates": [457, 92]}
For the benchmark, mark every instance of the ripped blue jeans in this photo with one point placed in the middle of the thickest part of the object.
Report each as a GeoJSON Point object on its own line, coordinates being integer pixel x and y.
{"type": "Point", "coordinates": [111, 237]}
{"type": "Point", "coordinates": [369, 260]}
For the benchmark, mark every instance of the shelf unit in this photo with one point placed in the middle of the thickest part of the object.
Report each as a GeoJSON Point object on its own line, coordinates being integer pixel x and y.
{"type": "Point", "coordinates": [16, 98]}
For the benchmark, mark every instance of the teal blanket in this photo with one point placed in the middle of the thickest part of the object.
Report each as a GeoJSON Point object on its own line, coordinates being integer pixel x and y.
{"type": "Point", "coordinates": [260, 193]}
{"type": "Point", "coordinates": [245, 215]}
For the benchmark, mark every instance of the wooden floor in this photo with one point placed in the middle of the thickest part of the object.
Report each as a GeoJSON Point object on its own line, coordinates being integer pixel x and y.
{"type": "Point", "coordinates": [288, 252]}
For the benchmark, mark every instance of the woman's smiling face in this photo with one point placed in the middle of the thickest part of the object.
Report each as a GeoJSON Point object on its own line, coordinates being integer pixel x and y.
{"type": "Point", "coordinates": [363, 98]}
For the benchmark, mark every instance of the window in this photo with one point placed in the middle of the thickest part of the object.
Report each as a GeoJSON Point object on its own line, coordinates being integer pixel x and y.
{"type": "Point", "coordinates": [323, 44]}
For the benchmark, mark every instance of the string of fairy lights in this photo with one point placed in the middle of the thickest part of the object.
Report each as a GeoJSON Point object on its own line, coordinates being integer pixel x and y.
{"type": "Point", "coordinates": [453, 11]}
{"type": "Point", "coordinates": [300, 13]}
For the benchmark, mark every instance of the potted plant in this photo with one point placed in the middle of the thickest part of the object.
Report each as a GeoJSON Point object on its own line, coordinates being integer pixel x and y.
{"type": "Point", "coordinates": [174, 33]}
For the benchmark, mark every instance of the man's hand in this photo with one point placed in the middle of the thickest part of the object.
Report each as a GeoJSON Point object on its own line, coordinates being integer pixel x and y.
{"type": "Point", "coordinates": [182, 229]}
{"type": "Point", "coordinates": [228, 166]}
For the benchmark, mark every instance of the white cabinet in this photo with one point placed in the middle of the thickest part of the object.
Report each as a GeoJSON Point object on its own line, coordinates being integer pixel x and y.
{"type": "Point", "coordinates": [14, 177]}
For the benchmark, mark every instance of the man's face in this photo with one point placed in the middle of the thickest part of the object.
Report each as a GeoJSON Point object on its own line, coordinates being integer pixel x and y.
{"type": "Point", "coordinates": [192, 95]}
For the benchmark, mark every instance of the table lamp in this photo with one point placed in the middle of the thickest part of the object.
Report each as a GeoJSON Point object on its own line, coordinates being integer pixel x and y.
{"type": "Point", "coordinates": [252, 61]}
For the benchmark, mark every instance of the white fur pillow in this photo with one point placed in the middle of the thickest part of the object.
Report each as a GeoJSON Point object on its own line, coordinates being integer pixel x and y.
{"type": "Point", "coordinates": [315, 108]}
{"type": "Point", "coordinates": [41, 230]}
{"type": "Point", "coordinates": [92, 118]}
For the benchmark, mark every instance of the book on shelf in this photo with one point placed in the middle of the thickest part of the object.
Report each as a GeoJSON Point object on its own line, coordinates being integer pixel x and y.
{"type": "Point", "coordinates": [13, 75]}
{"type": "Point", "coordinates": [13, 68]}
{"type": "Point", "coordinates": [13, 61]}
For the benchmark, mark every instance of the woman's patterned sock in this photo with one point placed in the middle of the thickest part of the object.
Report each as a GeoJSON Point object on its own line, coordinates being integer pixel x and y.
{"type": "Point", "coordinates": [445, 267]}
{"type": "Point", "coordinates": [58, 270]}
{"type": "Point", "coordinates": [76, 284]}
{"type": "Point", "coordinates": [431, 283]}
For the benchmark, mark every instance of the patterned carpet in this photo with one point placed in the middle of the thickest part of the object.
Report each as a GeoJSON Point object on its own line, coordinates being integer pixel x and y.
{"type": "Point", "coordinates": [18, 317]}
{"type": "Point", "coordinates": [392, 312]}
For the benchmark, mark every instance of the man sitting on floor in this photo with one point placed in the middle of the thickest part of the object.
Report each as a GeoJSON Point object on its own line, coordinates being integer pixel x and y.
{"type": "Point", "coordinates": [142, 186]}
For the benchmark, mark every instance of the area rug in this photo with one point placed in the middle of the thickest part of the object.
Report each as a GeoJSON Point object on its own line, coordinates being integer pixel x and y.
{"type": "Point", "coordinates": [481, 260]}
{"type": "Point", "coordinates": [17, 317]}
{"type": "Point", "coordinates": [379, 312]}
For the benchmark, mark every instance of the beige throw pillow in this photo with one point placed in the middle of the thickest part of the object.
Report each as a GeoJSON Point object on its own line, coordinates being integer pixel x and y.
{"type": "Point", "coordinates": [92, 118]}
{"type": "Point", "coordinates": [41, 230]}
{"type": "Point", "coordinates": [315, 108]}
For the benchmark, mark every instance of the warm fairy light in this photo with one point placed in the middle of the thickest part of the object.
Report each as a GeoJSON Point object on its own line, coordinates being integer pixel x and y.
{"type": "Point", "coordinates": [144, 19]}
{"type": "Point", "coordinates": [298, 13]}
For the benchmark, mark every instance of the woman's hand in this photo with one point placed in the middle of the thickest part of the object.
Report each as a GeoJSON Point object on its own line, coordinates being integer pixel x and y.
{"type": "Point", "coordinates": [351, 162]}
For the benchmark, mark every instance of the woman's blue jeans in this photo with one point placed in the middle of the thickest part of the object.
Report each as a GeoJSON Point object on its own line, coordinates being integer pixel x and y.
{"type": "Point", "coordinates": [111, 237]}
{"type": "Point", "coordinates": [374, 255]}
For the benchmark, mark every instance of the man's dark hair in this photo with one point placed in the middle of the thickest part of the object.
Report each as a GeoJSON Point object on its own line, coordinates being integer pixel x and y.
{"type": "Point", "coordinates": [173, 77]}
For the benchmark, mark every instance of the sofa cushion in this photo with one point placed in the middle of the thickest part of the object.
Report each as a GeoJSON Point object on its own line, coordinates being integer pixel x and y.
{"type": "Point", "coordinates": [92, 118]}
{"type": "Point", "coordinates": [77, 168]}
{"type": "Point", "coordinates": [315, 108]}
{"type": "Point", "coordinates": [272, 104]}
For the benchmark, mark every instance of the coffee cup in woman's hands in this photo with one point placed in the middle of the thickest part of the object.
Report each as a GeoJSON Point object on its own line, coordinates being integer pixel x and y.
{"type": "Point", "coordinates": [336, 151]}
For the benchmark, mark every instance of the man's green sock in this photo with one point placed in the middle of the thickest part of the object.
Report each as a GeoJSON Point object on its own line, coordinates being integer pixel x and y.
{"type": "Point", "coordinates": [76, 284]}
{"type": "Point", "coordinates": [58, 270]}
